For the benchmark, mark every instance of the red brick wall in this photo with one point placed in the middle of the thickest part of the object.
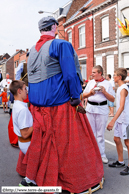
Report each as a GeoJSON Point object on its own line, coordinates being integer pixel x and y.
{"type": "Point", "coordinates": [22, 56]}
{"type": "Point", "coordinates": [17, 57]}
{"type": "Point", "coordinates": [10, 65]}
{"type": "Point", "coordinates": [60, 28]}
{"type": "Point", "coordinates": [10, 68]}
{"type": "Point", "coordinates": [89, 49]}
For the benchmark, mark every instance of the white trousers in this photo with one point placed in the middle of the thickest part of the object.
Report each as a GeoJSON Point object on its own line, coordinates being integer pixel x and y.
{"type": "Point", "coordinates": [24, 146]}
{"type": "Point", "coordinates": [98, 124]}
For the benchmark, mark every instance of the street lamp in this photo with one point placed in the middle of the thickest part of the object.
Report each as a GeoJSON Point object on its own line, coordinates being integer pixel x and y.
{"type": "Point", "coordinates": [54, 14]}
{"type": "Point", "coordinates": [40, 12]}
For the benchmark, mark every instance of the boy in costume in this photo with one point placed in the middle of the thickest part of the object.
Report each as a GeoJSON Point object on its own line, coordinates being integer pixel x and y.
{"type": "Point", "coordinates": [22, 118]}
{"type": "Point", "coordinates": [121, 119]}
{"type": "Point", "coordinates": [4, 100]}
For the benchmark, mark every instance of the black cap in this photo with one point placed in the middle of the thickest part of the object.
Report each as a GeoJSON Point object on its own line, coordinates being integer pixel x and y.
{"type": "Point", "coordinates": [46, 21]}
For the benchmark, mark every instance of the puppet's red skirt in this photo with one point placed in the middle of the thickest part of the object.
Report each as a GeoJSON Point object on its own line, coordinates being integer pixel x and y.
{"type": "Point", "coordinates": [63, 150]}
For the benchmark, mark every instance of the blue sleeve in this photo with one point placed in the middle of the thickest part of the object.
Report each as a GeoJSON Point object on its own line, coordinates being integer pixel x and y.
{"type": "Point", "coordinates": [64, 52]}
{"type": "Point", "coordinates": [19, 71]}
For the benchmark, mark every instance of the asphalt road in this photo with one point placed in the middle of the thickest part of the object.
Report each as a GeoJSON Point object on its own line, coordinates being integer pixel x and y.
{"type": "Point", "coordinates": [114, 183]}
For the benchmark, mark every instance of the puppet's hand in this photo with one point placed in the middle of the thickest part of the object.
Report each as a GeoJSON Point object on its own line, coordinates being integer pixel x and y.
{"type": "Point", "coordinates": [75, 101]}
{"type": "Point", "coordinates": [80, 109]}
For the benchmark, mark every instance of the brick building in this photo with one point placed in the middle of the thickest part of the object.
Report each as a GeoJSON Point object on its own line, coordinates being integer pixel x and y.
{"type": "Point", "coordinates": [3, 59]}
{"type": "Point", "coordinates": [22, 57]}
{"type": "Point", "coordinates": [79, 31]}
{"type": "Point", "coordinates": [61, 14]}
{"type": "Point", "coordinates": [9, 65]}
{"type": "Point", "coordinates": [105, 36]}
{"type": "Point", "coordinates": [65, 31]}
{"type": "Point", "coordinates": [18, 58]}
{"type": "Point", "coordinates": [13, 62]}
{"type": "Point", "coordinates": [90, 25]}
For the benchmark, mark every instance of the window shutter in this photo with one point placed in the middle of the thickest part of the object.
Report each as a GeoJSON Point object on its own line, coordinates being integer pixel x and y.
{"type": "Point", "coordinates": [70, 37]}
{"type": "Point", "coordinates": [126, 60]}
{"type": "Point", "coordinates": [83, 69]}
{"type": "Point", "coordinates": [82, 36]}
{"type": "Point", "coordinates": [105, 28]}
{"type": "Point", "coordinates": [99, 60]}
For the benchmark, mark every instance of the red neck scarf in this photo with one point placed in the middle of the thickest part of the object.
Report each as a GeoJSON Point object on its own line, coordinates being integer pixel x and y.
{"type": "Point", "coordinates": [42, 40]}
{"type": "Point", "coordinates": [100, 80]}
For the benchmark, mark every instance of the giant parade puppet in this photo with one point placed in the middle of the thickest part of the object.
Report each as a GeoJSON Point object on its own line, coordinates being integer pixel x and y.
{"type": "Point", "coordinates": [63, 150]}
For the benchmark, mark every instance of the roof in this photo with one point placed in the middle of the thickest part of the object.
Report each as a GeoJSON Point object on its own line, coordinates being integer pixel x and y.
{"type": "Point", "coordinates": [76, 13]}
{"type": "Point", "coordinates": [66, 9]}
{"type": "Point", "coordinates": [2, 61]}
{"type": "Point", "coordinates": [4, 55]}
{"type": "Point", "coordinates": [63, 10]}
{"type": "Point", "coordinates": [94, 3]}
{"type": "Point", "coordinates": [13, 55]}
{"type": "Point", "coordinates": [87, 8]}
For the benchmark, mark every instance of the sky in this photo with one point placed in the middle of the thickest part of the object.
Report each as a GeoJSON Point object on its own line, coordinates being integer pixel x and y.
{"type": "Point", "coordinates": [19, 22]}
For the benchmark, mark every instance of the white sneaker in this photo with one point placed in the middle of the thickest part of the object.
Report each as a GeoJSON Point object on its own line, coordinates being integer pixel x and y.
{"type": "Point", "coordinates": [105, 160]}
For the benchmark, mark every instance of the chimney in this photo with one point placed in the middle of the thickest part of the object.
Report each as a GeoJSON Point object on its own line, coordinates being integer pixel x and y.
{"type": "Point", "coordinates": [17, 50]}
{"type": "Point", "coordinates": [60, 11]}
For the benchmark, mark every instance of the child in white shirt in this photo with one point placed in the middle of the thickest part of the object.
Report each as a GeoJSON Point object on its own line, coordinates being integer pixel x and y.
{"type": "Point", "coordinates": [121, 119]}
{"type": "Point", "coordinates": [22, 119]}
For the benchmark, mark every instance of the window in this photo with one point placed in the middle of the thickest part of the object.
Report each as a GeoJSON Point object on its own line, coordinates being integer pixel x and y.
{"type": "Point", "coordinates": [83, 68]}
{"type": "Point", "coordinates": [15, 64]}
{"type": "Point", "coordinates": [82, 36]}
{"type": "Point", "coordinates": [126, 60]}
{"type": "Point", "coordinates": [70, 36]}
{"type": "Point", "coordinates": [99, 60]}
{"type": "Point", "coordinates": [110, 65]}
{"type": "Point", "coordinates": [105, 28]}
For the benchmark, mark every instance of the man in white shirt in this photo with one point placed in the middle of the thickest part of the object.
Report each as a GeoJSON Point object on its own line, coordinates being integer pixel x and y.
{"type": "Point", "coordinates": [6, 83]}
{"type": "Point", "coordinates": [111, 104]}
{"type": "Point", "coordinates": [98, 91]}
